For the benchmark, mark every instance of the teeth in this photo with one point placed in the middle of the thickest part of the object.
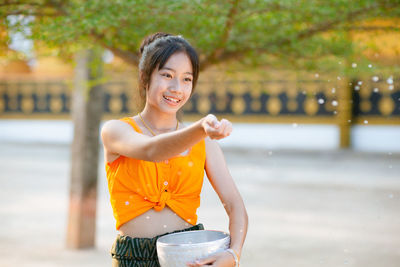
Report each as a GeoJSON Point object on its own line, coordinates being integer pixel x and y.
{"type": "Point", "coordinates": [171, 99]}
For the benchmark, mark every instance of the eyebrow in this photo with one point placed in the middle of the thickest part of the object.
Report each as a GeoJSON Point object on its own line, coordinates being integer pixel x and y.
{"type": "Point", "coordinates": [166, 68]}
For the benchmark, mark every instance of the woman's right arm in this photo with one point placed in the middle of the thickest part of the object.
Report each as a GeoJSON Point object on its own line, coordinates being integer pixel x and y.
{"type": "Point", "coordinates": [119, 138]}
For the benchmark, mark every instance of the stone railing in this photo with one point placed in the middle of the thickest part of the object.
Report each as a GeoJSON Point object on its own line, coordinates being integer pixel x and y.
{"type": "Point", "coordinates": [374, 101]}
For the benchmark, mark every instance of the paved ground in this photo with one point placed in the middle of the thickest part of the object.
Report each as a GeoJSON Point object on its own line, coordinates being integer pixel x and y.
{"type": "Point", "coordinates": [328, 209]}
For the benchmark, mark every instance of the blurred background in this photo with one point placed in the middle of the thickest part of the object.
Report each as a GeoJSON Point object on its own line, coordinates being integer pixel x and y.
{"type": "Point", "coordinates": [312, 88]}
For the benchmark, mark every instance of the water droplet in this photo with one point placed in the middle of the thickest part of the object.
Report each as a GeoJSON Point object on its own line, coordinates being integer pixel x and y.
{"type": "Point", "coordinates": [391, 87]}
{"type": "Point", "coordinates": [126, 203]}
{"type": "Point", "coordinates": [145, 198]}
{"type": "Point", "coordinates": [359, 82]}
{"type": "Point", "coordinates": [375, 78]}
{"type": "Point", "coordinates": [165, 183]}
{"type": "Point", "coordinates": [188, 220]}
{"type": "Point", "coordinates": [349, 121]}
{"type": "Point", "coordinates": [365, 122]}
{"type": "Point", "coordinates": [147, 217]}
{"type": "Point", "coordinates": [334, 103]}
{"type": "Point", "coordinates": [321, 101]}
{"type": "Point", "coordinates": [376, 90]}
{"type": "Point", "coordinates": [356, 87]}
{"type": "Point", "coordinates": [333, 90]}
{"type": "Point", "coordinates": [294, 125]}
{"type": "Point", "coordinates": [316, 75]}
{"type": "Point", "coordinates": [390, 80]}
{"type": "Point", "coordinates": [190, 163]}
{"type": "Point", "coordinates": [369, 65]}
{"type": "Point", "coordinates": [354, 65]}
{"type": "Point", "coordinates": [165, 226]}
{"type": "Point", "coordinates": [338, 77]}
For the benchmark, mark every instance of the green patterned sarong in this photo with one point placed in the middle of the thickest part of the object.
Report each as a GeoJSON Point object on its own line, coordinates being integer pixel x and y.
{"type": "Point", "coordinates": [139, 252]}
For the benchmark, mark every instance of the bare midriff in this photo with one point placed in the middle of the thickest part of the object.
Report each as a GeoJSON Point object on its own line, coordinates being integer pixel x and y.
{"type": "Point", "coordinates": [153, 223]}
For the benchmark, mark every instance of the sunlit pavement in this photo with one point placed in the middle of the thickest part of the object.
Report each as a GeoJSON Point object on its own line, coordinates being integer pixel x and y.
{"type": "Point", "coordinates": [331, 208]}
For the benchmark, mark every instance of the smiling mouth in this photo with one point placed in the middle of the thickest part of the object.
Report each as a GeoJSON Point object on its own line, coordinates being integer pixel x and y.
{"type": "Point", "coordinates": [171, 99]}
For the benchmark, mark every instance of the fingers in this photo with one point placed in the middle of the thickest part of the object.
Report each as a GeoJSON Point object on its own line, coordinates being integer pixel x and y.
{"type": "Point", "coordinates": [227, 127]}
{"type": "Point", "coordinates": [224, 130]}
{"type": "Point", "coordinates": [202, 262]}
{"type": "Point", "coordinates": [217, 129]}
{"type": "Point", "coordinates": [212, 121]}
{"type": "Point", "coordinates": [223, 258]}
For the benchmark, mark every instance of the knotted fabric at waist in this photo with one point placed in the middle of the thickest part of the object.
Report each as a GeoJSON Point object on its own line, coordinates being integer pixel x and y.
{"type": "Point", "coordinates": [160, 200]}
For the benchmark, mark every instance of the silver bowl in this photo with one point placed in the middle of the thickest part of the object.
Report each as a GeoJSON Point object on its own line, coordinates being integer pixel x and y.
{"type": "Point", "coordinates": [175, 250]}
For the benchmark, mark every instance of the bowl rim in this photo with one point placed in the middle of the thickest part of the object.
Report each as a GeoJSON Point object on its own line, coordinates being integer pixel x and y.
{"type": "Point", "coordinates": [163, 244]}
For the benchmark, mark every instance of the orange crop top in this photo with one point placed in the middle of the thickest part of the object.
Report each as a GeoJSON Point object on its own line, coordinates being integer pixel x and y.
{"type": "Point", "coordinates": [136, 186]}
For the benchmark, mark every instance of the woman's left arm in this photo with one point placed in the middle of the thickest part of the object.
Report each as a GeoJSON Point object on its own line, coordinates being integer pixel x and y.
{"type": "Point", "coordinates": [223, 184]}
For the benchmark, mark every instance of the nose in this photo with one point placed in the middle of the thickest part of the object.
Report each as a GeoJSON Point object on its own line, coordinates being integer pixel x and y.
{"type": "Point", "coordinates": [176, 86]}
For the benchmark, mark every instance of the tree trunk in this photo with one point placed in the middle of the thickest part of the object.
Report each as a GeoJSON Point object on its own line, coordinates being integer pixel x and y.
{"type": "Point", "coordinates": [87, 106]}
{"type": "Point", "coordinates": [345, 119]}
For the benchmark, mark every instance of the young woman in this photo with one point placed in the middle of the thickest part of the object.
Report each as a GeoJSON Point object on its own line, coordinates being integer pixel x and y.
{"type": "Point", "coordinates": [155, 165]}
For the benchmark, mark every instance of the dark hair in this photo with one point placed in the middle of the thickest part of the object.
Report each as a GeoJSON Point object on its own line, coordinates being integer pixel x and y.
{"type": "Point", "coordinates": [156, 49]}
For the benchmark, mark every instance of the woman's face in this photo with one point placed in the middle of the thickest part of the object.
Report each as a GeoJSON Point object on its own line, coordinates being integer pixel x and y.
{"type": "Point", "coordinates": [170, 87]}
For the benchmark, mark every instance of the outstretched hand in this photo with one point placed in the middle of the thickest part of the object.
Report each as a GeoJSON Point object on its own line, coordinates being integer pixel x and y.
{"type": "Point", "coordinates": [221, 259]}
{"type": "Point", "coordinates": [216, 129]}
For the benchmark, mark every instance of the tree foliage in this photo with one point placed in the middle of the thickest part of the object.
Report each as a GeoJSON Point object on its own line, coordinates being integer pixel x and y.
{"type": "Point", "coordinates": [251, 31]}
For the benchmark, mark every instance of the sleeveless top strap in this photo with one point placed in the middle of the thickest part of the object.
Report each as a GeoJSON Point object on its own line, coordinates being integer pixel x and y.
{"type": "Point", "coordinates": [132, 123]}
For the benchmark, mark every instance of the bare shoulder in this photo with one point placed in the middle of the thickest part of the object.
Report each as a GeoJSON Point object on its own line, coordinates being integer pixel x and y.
{"type": "Point", "coordinates": [112, 126]}
{"type": "Point", "coordinates": [115, 129]}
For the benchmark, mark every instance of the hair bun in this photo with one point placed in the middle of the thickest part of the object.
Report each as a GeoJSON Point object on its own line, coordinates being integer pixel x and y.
{"type": "Point", "coordinates": [151, 38]}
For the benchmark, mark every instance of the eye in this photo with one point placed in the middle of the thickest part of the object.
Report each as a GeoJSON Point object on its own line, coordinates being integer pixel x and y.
{"type": "Point", "coordinates": [166, 75]}
{"type": "Point", "coordinates": [188, 79]}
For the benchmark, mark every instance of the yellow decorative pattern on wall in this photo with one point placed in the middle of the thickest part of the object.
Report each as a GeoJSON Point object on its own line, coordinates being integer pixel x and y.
{"type": "Point", "coordinates": [264, 100]}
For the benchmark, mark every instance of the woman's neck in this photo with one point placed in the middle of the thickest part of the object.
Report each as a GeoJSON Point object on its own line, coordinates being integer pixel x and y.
{"type": "Point", "coordinates": [159, 121]}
